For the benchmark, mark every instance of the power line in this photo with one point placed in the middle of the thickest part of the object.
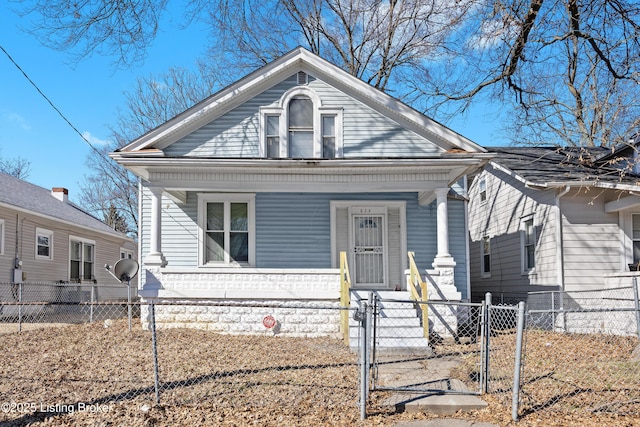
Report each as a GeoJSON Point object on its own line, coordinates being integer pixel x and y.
{"type": "Point", "coordinates": [48, 100]}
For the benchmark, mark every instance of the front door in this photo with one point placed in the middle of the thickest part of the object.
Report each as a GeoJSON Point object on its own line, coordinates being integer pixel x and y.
{"type": "Point", "coordinates": [368, 237]}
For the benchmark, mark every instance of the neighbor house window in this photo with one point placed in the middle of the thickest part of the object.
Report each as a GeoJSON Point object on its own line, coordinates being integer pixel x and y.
{"type": "Point", "coordinates": [228, 229]}
{"type": "Point", "coordinates": [81, 259]}
{"type": "Point", "coordinates": [299, 127]}
{"type": "Point", "coordinates": [482, 190]}
{"type": "Point", "coordinates": [635, 220]}
{"type": "Point", "coordinates": [486, 256]}
{"type": "Point", "coordinates": [126, 254]}
{"type": "Point", "coordinates": [44, 244]}
{"type": "Point", "coordinates": [528, 244]}
{"type": "Point", "coordinates": [1, 236]}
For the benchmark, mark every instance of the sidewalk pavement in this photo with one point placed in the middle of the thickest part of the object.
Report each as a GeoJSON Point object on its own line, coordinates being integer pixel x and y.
{"type": "Point", "coordinates": [418, 372]}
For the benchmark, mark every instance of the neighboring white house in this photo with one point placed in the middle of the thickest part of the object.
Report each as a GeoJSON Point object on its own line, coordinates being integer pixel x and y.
{"type": "Point", "coordinates": [253, 193]}
{"type": "Point", "coordinates": [45, 238]}
{"type": "Point", "coordinates": [547, 218]}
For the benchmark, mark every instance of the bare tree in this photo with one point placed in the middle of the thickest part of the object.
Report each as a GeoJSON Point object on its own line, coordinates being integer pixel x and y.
{"type": "Point", "coordinates": [123, 29]}
{"type": "Point", "coordinates": [111, 191]}
{"type": "Point", "coordinates": [567, 70]}
{"type": "Point", "coordinates": [18, 167]}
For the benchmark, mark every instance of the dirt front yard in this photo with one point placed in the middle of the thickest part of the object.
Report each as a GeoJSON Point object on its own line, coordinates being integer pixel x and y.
{"type": "Point", "coordinates": [103, 375]}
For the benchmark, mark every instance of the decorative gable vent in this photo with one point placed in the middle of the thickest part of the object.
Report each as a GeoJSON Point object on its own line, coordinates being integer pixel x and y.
{"type": "Point", "coordinates": [303, 78]}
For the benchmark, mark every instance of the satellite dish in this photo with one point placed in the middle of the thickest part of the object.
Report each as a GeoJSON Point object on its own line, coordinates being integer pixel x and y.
{"type": "Point", "coordinates": [125, 269]}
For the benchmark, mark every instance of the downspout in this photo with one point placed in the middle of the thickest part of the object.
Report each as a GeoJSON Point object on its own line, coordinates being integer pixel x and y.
{"type": "Point", "coordinates": [559, 240]}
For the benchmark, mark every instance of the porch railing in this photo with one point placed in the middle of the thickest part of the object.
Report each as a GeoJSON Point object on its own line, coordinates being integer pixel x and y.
{"type": "Point", "coordinates": [418, 289]}
{"type": "Point", "coordinates": [345, 301]}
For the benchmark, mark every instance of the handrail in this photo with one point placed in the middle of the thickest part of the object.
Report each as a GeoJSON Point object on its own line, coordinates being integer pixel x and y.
{"type": "Point", "coordinates": [418, 289]}
{"type": "Point", "coordinates": [345, 301]}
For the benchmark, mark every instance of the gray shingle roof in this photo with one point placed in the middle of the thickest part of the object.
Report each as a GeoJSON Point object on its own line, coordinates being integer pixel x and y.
{"type": "Point", "coordinates": [541, 165]}
{"type": "Point", "coordinates": [30, 197]}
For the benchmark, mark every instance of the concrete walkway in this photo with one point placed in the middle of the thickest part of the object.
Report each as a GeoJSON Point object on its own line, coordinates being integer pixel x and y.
{"type": "Point", "coordinates": [443, 396]}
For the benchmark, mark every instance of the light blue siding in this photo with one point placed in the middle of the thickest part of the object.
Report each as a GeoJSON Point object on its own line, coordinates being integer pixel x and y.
{"type": "Point", "coordinates": [293, 230]}
{"type": "Point", "coordinates": [366, 132]}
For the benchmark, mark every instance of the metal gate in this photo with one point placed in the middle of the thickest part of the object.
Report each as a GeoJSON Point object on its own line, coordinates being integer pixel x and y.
{"type": "Point", "coordinates": [472, 348]}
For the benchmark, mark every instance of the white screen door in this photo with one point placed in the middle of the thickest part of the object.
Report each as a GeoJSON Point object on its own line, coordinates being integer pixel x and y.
{"type": "Point", "coordinates": [368, 234]}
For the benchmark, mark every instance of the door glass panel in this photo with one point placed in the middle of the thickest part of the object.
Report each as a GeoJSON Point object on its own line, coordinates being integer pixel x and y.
{"type": "Point", "coordinates": [369, 249]}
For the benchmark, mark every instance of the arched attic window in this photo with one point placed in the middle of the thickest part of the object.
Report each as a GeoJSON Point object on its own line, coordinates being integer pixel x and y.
{"type": "Point", "coordinates": [301, 127]}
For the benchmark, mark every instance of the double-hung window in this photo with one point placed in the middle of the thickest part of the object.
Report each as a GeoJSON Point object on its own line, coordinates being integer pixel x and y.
{"type": "Point", "coordinates": [81, 259]}
{"type": "Point", "coordinates": [482, 190]}
{"type": "Point", "coordinates": [227, 229]}
{"type": "Point", "coordinates": [528, 244]}
{"type": "Point", "coordinates": [44, 244]}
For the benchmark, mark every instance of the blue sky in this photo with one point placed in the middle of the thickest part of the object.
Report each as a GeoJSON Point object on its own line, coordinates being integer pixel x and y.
{"type": "Point", "coordinates": [89, 93]}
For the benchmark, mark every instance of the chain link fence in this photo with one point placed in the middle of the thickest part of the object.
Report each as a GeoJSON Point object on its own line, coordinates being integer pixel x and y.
{"type": "Point", "coordinates": [580, 355]}
{"type": "Point", "coordinates": [467, 349]}
{"type": "Point", "coordinates": [25, 306]}
{"type": "Point", "coordinates": [582, 352]}
{"type": "Point", "coordinates": [258, 369]}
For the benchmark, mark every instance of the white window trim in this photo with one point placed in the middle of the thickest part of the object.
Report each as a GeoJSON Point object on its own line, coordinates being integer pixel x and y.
{"type": "Point", "coordinates": [523, 237]}
{"type": "Point", "coordinates": [203, 199]}
{"type": "Point", "coordinates": [2, 233]}
{"type": "Point", "coordinates": [483, 273]}
{"type": "Point", "coordinates": [48, 233]}
{"type": "Point", "coordinates": [482, 182]}
{"type": "Point", "coordinates": [282, 110]}
{"type": "Point", "coordinates": [84, 241]}
{"type": "Point", "coordinates": [128, 253]}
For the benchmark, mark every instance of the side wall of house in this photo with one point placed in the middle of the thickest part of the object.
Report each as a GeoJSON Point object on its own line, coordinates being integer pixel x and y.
{"type": "Point", "coordinates": [592, 241]}
{"type": "Point", "coordinates": [500, 217]}
{"type": "Point", "coordinates": [20, 241]}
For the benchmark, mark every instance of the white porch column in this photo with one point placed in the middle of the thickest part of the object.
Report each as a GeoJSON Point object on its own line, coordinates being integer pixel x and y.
{"type": "Point", "coordinates": [443, 258]}
{"type": "Point", "coordinates": [155, 256]}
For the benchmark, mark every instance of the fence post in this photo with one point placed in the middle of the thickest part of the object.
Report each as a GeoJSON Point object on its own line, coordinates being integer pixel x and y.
{"type": "Point", "coordinates": [517, 368]}
{"type": "Point", "coordinates": [152, 314]}
{"type": "Point", "coordinates": [93, 298]}
{"type": "Point", "coordinates": [486, 346]}
{"type": "Point", "coordinates": [362, 315]}
{"type": "Point", "coordinates": [637, 305]}
{"type": "Point", "coordinates": [19, 307]}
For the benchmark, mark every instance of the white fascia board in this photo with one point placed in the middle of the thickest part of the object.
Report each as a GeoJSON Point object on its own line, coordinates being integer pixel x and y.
{"type": "Point", "coordinates": [166, 163]}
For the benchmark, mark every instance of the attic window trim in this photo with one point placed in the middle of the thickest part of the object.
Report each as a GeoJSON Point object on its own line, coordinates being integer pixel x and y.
{"type": "Point", "coordinates": [319, 112]}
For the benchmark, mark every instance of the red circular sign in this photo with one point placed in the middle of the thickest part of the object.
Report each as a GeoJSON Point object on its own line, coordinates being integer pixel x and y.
{"type": "Point", "coordinates": [269, 322]}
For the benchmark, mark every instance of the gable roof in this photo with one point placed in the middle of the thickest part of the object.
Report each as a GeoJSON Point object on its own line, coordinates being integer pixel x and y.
{"type": "Point", "coordinates": [297, 60]}
{"type": "Point", "coordinates": [554, 166]}
{"type": "Point", "coordinates": [18, 194]}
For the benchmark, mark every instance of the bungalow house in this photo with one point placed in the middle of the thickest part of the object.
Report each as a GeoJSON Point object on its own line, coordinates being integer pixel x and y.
{"type": "Point", "coordinates": [252, 195]}
{"type": "Point", "coordinates": [549, 218]}
{"type": "Point", "coordinates": [46, 239]}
